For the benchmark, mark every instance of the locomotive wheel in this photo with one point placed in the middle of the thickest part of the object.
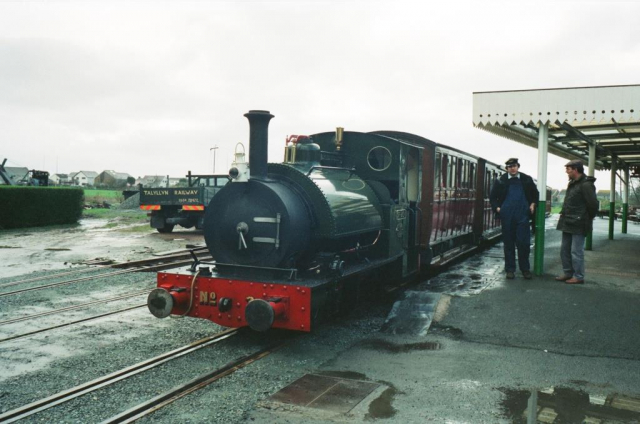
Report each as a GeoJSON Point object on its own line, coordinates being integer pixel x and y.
{"type": "Point", "coordinates": [167, 229]}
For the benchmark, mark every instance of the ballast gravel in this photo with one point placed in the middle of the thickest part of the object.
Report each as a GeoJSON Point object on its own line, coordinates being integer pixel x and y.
{"type": "Point", "coordinates": [40, 365]}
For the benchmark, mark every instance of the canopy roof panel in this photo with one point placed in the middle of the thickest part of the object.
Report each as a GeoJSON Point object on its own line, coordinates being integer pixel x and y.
{"type": "Point", "coordinates": [607, 117]}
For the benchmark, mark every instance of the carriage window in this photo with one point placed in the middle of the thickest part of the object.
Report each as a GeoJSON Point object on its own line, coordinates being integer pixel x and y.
{"type": "Point", "coordinates": [490, 177]}
{"type": "Point", "coordinates": [379, 158]}
{"type": "Point", "coordinates": [413, 173]}
{"type": "Point", "coordinates": [445, 170]}
{"type": "Point", "coordinates": [452, 174]}
{"type": "Point", "coordinates": [464, 169]}
{"type": "Point", "coordinates": [437, 181]}
{"type": "Point", "coordinates": [472, 175]}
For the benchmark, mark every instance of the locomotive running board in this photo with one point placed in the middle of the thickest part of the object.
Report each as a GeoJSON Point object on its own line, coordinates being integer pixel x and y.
{"type": "Point", "coordinates": [453, 254]}
{"type": "Point", "coordinates": [293, 272]}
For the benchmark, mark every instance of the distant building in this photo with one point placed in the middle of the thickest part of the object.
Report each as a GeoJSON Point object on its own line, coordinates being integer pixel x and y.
{"type": "Point", "coordinates": [109, 178]}
{"type": "Point", "coordinates": [60, 179]}
{"type": "Point", "coordinates": [174, 181]}
{"type": "Point", "coordinates": [16, 174]}
{"type": "Point", "coordinates": [84, 178]}
{"type": "Point", "coordinates": [153, 181]}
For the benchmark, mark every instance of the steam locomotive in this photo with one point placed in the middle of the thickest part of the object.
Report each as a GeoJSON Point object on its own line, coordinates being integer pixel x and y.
{"type": "Point", "coordinates": [295, 242]}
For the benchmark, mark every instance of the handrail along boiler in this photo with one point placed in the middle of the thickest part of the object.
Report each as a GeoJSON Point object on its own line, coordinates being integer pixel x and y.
{"type": "Point", "coordinates": [295, 242]}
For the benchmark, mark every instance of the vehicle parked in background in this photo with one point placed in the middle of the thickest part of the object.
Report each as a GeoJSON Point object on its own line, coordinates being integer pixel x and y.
{"type": "Point", "coordinates": [22, 176]}
{"type": "Point", "coordinates": [184, 206]}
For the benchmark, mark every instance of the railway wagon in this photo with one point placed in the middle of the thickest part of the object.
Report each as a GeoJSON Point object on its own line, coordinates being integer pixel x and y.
{"type": "Point", "coordinates": [345, 213]}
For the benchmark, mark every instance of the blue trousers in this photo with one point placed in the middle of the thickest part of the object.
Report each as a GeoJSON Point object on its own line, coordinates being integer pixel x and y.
{"type": "Point", "coordinates": [572, 255]}
{"type": "Point", "coordinates": [516, 233]}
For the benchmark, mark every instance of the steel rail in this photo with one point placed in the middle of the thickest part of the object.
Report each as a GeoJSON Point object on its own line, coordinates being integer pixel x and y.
{"type": "Point", "coordinates": [66, 324]}
{"type": "Point", "coordinates": [109, 274]}
{"type": "Point", "coordinates": [158, 259]}
{"type": "Point", "coordinates": [77, 280]}
{"type": "Point", "coordinates": [44, 277]}
{"type": "Point", "coordinates": [179, 392]}
{"type": "Point", "coordinates": [70, 308]}
{"type": "Point", "coordinates": [155, 259]}
{"type": "Point", "coordinates": [77, 391]}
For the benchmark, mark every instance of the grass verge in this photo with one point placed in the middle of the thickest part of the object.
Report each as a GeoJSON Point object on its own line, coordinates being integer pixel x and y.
{"type": "Point", "coordinates": [118, 217]}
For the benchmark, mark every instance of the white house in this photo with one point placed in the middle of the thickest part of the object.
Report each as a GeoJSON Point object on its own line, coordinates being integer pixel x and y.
{"type": "Point", "coordinates": [59, 179]}
{"type": "Point", "coordinates": [84, 178]}
{"type": "Point", "coordinates": [154, 181]}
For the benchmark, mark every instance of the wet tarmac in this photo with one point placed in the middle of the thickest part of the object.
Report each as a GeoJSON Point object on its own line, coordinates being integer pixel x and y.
{"type": "Point", "coordinates": [380, 345]}
{"type": "Point", "coordinates": [469, 346]}
{"type": "Point", "coordinates": [470, 277]}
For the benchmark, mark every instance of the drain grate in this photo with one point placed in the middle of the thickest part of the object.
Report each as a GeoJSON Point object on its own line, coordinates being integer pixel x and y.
{"type": "Point", "coordinates": [327, 393]}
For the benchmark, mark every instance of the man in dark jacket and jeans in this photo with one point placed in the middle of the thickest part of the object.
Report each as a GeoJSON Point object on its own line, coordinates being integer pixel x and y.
{"type": "Point", "coordinates": [576, 221]}
{"type": "Point", "coordinates": [514, 196]}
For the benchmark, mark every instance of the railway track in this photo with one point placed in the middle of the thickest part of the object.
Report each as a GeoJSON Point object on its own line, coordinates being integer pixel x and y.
{"type": "Point", "coordinates": [159, 260]}
{"type": "Point", "coordinates": [71, 308]}
{"type": "Point", "coordinates": [45, 277]}
{"type": "Point", "coordinates": [158, 267]}
{"type": "Point", "coordinates": [181, 391]}
{"type": "Point", "coordinates": [91, 386]}
{"type": "Point", "coordinates": [66, 324]}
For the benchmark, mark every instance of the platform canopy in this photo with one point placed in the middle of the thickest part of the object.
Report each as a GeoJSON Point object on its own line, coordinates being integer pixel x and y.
{"type": "Point", "coordinates": [607, 117]}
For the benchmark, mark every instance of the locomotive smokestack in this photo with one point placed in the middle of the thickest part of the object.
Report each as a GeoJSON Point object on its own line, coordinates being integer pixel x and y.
{"type": "Point", "coordinates": [258, 141]}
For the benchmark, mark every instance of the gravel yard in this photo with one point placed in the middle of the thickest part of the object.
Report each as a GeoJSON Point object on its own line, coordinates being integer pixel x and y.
{"type": "Point", "coordinates": [43, 364]}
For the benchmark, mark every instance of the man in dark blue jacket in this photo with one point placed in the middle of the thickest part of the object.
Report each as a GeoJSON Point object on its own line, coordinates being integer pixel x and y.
{"type": "Point", "coordinates": [514, 197]}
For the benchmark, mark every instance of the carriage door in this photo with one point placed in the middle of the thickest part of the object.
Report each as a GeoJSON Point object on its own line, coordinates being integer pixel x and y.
{"type": "Point", "coordinates": [408, 214]}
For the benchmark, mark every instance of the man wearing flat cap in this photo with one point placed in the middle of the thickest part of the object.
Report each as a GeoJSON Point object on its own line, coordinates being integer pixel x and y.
{"type": "Point", "coordinates": [514, 196]}
{"type": "Point", "coordinates": [576, 221]}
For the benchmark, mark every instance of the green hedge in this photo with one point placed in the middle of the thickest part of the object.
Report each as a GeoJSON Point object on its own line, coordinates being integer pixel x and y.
{"type": "Point", "coordinates": [22, 207]}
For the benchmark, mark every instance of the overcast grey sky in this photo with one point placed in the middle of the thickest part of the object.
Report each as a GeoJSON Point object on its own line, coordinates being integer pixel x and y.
{"type": "Point", "coordinates": [151, 87]}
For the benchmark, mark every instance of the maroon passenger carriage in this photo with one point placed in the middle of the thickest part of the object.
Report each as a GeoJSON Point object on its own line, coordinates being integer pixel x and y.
{"type": "Point", "coordinates": [345, 213]}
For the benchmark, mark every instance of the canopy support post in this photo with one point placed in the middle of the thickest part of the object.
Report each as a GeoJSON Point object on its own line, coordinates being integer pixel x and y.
{"type": "Point", "coordinates": [625, 200]}
{"type": "Point", "coordinates": [592, 171]}
{"type": "Point", "coordinates": [543, 147]}
{"type": "Point", "coordinates": [612, 197]}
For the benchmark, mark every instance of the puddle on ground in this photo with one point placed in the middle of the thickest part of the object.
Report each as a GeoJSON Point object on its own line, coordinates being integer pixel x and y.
{"type": "Point", "coordinates": [453, 332]}
{"type": "Point", "coordinates": [380, 345]}
{"type": "Point", "coordinates": [475, 274]}
{"type": "Point", "coordinates": [382, 407]}
{"type": "Point", "coordinates": [412, 314]}
{"type": "Point", "coordinates": [564, 405]}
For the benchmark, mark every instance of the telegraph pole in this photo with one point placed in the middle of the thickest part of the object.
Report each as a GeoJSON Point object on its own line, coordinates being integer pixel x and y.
{"type": "Point", "coordinates": [214, 148]}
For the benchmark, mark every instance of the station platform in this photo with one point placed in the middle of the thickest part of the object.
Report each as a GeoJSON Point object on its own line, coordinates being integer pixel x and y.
{"type": "Point", "coordinates": [497, 350]}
